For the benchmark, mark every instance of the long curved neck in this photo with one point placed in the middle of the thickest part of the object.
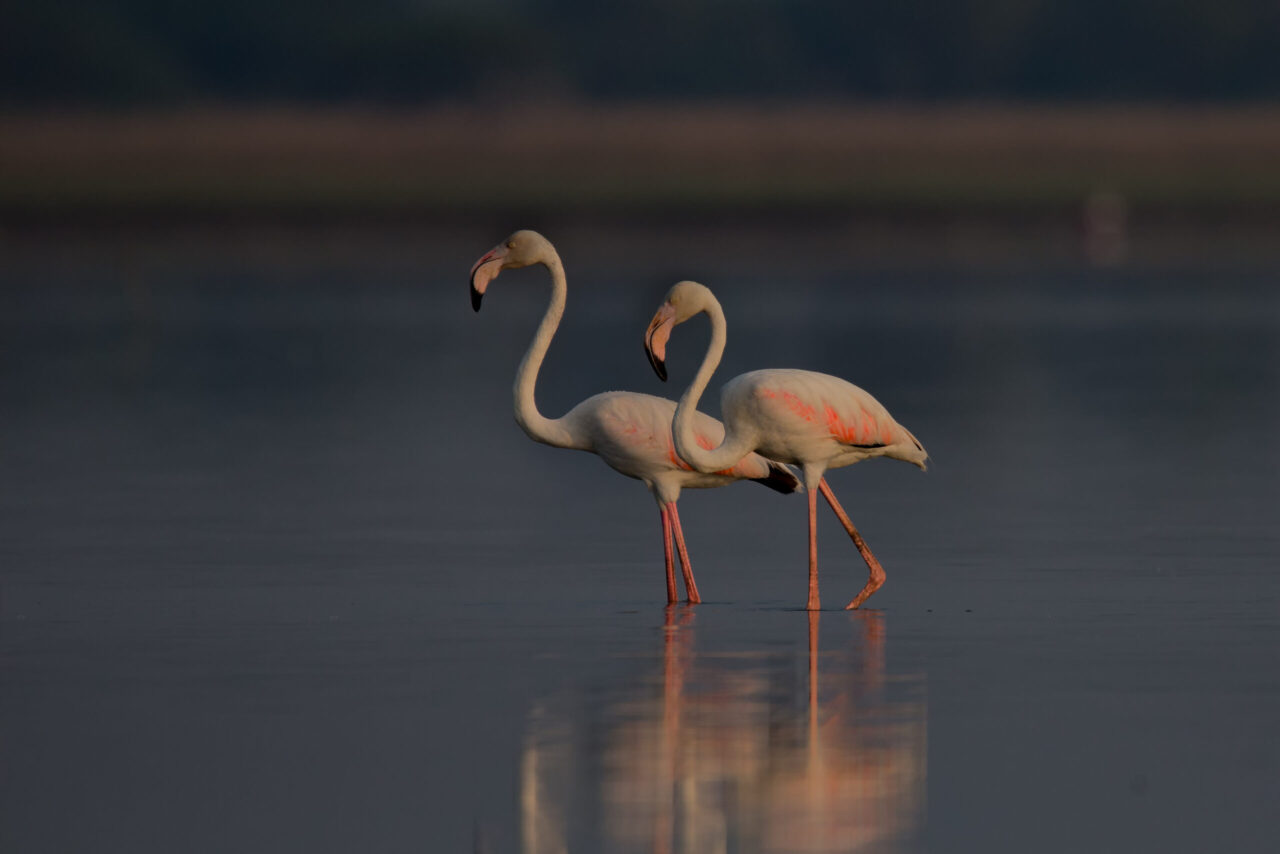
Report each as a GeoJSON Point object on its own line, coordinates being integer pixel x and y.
{"type": "Point", "coordinates": [734, 447]}
{"type": "Point", "coordinates": [538, 427]}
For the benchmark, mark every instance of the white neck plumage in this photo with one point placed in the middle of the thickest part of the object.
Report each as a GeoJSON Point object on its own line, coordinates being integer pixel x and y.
{"type": "Point", "coordinates": [734, 447]}
{"type": "Point", "coordinates": [538, 427]}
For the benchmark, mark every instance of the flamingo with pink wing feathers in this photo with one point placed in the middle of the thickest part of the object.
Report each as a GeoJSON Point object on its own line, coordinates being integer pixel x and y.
{"type": "Point", "coordinates": [812, 420]}
{"type": "Point", "coordinates": [631, 432]}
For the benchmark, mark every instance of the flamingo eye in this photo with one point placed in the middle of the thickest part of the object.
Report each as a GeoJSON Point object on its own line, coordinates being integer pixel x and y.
{"type": "Point", "coordinates": [511, 244]}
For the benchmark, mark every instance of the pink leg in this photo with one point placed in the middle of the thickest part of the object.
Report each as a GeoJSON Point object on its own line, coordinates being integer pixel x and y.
{"type": "Point", "coordinates": [666, 550]}
{"type": "Point", "coordinates": [690, 587]}
{"type": "Point", "coordinates": [876, 579]}
{"type": "Point", "coordinates": [813, 604]}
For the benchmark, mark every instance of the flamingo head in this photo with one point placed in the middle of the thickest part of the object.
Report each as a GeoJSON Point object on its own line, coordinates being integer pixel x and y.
{"type": "Point", "coordinates": [683, 301]}
{"type": "Point", "coordinates": [521, 249]}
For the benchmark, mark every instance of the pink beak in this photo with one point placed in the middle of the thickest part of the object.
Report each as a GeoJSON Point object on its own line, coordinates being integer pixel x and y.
{"type": "Point", "coordinates": [655, 339]}
{"type": "Point", "coordinates": [485, 271]}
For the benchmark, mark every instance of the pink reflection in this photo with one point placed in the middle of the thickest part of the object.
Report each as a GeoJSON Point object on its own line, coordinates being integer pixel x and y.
{"type": "Point", "coordinates": [715, 757]}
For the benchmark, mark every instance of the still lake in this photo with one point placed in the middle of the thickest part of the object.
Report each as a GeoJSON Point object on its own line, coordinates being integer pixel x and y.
{"type": "Point", "coordinates": [278, 571]}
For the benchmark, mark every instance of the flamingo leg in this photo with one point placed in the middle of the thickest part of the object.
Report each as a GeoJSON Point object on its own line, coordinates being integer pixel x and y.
{"type": "Point", "coordinates": [876, 578]}
{"type": "Point", "coordinates": [812, 604]}
{"type": "Point", "coordinates": [666, 551]}
{"type": "Point", "coordinates": [690, 587]}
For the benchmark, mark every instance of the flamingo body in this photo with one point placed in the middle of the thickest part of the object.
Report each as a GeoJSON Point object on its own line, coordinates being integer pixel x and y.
{"type": "Point", "coordinates": [631, 432]}
{"type": "Point", "coordinates": [803, 417]}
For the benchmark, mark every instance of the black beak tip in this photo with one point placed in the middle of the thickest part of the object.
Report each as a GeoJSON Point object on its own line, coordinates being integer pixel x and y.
{"type": "Point", "coordinates": [476, 296]}
{"type": "Point", "coordinates": [659, 366]}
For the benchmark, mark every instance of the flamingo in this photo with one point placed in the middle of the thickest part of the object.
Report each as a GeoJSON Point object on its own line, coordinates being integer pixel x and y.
{"type": "Point", "coordinates": [631, 432]}
{"type": "Point", "coordinates": [812, 420]}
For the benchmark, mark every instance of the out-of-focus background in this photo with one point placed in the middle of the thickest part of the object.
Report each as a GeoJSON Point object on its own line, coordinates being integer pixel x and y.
{"type": "Point", "coordinates": [1147, 113]}
{"type": "Point", "coordinates": [279, 572]}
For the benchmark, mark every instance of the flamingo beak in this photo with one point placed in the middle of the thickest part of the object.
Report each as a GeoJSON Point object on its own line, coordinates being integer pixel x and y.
{"type": "Point", "coordinates": [485, 271]}
{"type": "Point", "coordinates": [655, 339]}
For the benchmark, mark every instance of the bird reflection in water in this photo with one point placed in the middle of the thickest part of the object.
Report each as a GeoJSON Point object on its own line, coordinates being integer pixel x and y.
{"type": "Point", "coordinates": [735, 753]}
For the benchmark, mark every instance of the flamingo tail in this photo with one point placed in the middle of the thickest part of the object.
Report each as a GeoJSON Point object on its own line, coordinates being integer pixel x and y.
{"type": "Point", "coordinates": [780, 478]}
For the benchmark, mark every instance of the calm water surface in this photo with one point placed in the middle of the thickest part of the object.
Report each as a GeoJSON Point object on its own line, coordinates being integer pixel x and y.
{"type": "Point", "coordinates": [279, 573]}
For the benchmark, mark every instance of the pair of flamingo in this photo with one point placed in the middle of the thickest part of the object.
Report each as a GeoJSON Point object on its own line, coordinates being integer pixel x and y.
{"type": "Point", "coordinates": [804, 418]}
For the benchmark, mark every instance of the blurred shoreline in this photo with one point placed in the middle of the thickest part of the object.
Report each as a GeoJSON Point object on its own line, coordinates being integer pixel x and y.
{"type": "Point", "coordinates": [1109, 183]}
{"type": "Point", "coordinates": [638, 158]}
{"type": "Point", "coordinates": [719, 246]}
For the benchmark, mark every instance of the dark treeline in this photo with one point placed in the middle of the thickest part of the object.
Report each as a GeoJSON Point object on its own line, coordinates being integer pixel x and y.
{"type": "Point", "coordinates": [156, 52]}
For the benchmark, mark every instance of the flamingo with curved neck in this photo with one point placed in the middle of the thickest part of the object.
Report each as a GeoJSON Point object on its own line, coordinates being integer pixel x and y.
{"type": "Point", "coordinates": [812, 420]}
{"type": "Point", "coordinates": [631, 432]}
